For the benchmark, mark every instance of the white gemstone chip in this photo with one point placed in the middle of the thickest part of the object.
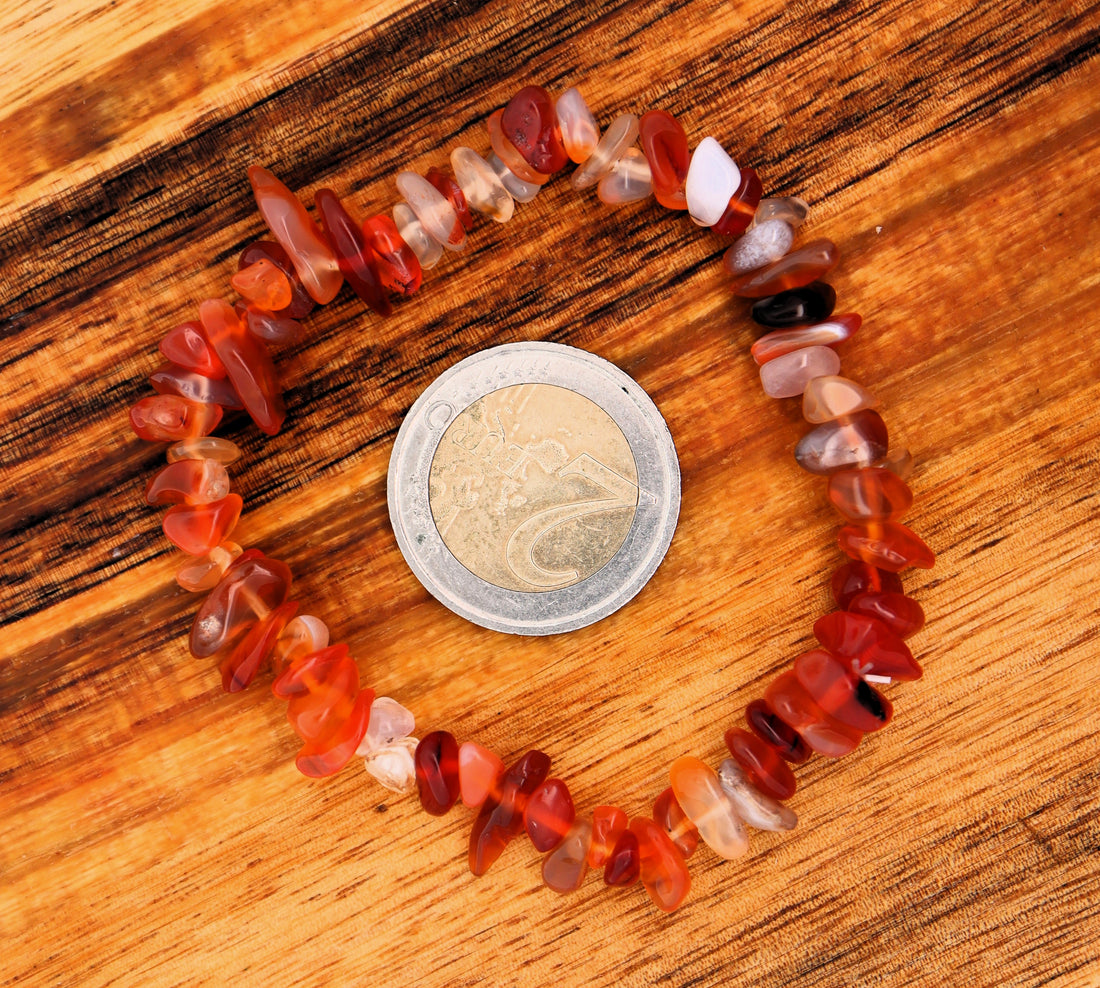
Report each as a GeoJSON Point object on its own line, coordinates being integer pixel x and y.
{"type": "Point", "coordinates": [712, 179]}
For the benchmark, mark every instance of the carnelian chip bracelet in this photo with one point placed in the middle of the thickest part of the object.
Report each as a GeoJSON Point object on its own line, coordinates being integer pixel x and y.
{"type": "Point", "coordinates": [824, 704]}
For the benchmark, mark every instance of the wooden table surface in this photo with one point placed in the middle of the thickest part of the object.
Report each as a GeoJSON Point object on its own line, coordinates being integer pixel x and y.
{"type": "Point", "coordinates": [154, 831]}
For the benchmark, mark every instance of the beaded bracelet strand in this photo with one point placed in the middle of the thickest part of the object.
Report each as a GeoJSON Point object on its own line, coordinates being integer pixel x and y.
{"type": "Point", "coordinates": [824, 704]}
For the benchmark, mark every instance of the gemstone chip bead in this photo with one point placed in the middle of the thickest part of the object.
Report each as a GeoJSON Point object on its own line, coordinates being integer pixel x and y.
{"type": "Point", "coordinates": [170, 418]}
{"type": "Point", "coordinates": [700, 796]}
{"type": "Point", "coordinates": [580, 134]}
{"type": "Point", "coordinates": [829, 333]}
{"type": "Point", "coordinates": [712, 180]}
{"type": "Point", "coordinates": [479, 773]}
{"type": "Point", "coordinates": [501, 815]}
{"type": "Point", "coordinates": [886, 545]}
{"type": "Point", "coordinates": [436, 763]}
{"type": "Point", "coordinates": [662, 868]}
{"type": "Point", "coordinates": [766, 725]}
{"type": "Point", "coordinates": [549, 814]}
{"type": "Point", "coordinates": [826, 735]}
{"type": "Point", "coordinates": [755, 808]}
{"type": "Point", "coordinates": [297, 234]}
{"type": "Point", "coordinates": [855, 440]}
{"type": "Point", "coordinates": [564, 868]}
{"type": "Point", "coordinates": [765, 766]}
{"type": "Point", "coordinates": [531, 125]}
{"type": "Point", "coordinates": [665, 146]}
{"type": "Point", "coordinates": [794, 270]}
{"type": "Point", "coordinates": [789, 375]}
{"type": "Point", "coordinates": [608, 822]}
{"type": "Point", "coordinates": [808, 304]}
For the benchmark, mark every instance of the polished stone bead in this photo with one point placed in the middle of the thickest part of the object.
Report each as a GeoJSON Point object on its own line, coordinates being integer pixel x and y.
{"type": "Point", "coordinates": [436, 762]}
{"type": "Point", "coordinates": [809, 304]}
{"type": "Point", "coordinates": [869, 494]}
{"type": "Point", "coordinates": [433, 210]}
{"type": "Point", "coordinates": [482, 187]}
{"type": "Point", "coordinates": [794, 270]}
{"type": "Point", "coordinates": [608, 822]}
{"type": "Point", "coordinates": [755, 808]}
{"type": "Point", "coordinates": [188, 482]}
{"type": "Point", "coordinates": [264, 285]}
{"type": "Point", "coordinates": [549, 814]}
{"type": "Point", "coordinates": [353, 253]}
{"type": "Point", "coordinates": [479, 773]}
{"type": "Point", "coordinates": [247, 362]}
{"type": "Point", "coordinates": [204, 448]}
{"type": "Point", "coordinates": [187, 346]}
{"type": "Point", "coordinates": [320, 686]}
{"type": "Point", "coordinates": [840, 692]}
{"type": "Point", "coordinates": [301, 304]}
{"type": "Point", "coordinates": [769, 772]}
{"type": "Point", "coordinates": [252, 587]}
{"type": "Point", "coordinates": [501, 815]}
{"type": "Point", "coordinates": [829, 333]}
{"type": "Point", "coordinates": [508, 154]}
{"type": "Point", "coordinates": [832, 397]}
{"type": "Point", "coordinates": [665, 146]}
{"type": "Point", "coordinates": [901, 614]}
{"type": "Point", "coordinates": [171, 379]}
{"type": "Point", "coordinates": [297, 234]}
{"type": "Point", "coordinates": [669, 814]}
{"type": "Point", "coordinates": [787, 376]}
{"type": "Point", "coordinates": [826, 735]}
{"type": "Point", "coordinates": [204, 572]}
{"type": "Point", "coordinates": [738, 214]}
{"type": "Point", "coordinates": [389, 722]}
{"type": "Point", "coordinates": [887, 545]}
{"type": "Point", "coordinates": [622, 133]}
{"type": "Point", "coordinates": [855, 440]}
{"type": "Point", "coordinates": [712, 180]}
{"type": "Point", "coordinates": [623, 864]}
{"type": "Point", "coordinates": [899, 461]}
{"type": "Point", "coordinates": [628, 181]}
{"type": "Point", "coordinates": [169, 418]}
{"type": "Point", "coordinates": [789, 209]}
{"type": "Point", "coordinates": [393, 766]}
{"type": "Point", "coordinates": [700, 795]}
{"type": "Point", "coordinates": [302, 635]}
{"type": "Point", "coordinates": [531, 125]}
{"type": "Point", "coordinates": [448, 187]}
{"type": "Point", "coordinates": [767, 726]}
{"type": "Point", "coordinates": [870, 646]}
{"type": "Point", "coordinates": [662, 868]}
{"type": "Point", "coordinates": [239, 668]}
{"type": "Point", "coordinates": [764, 243]}
{"type": "Point", "coordinates": [198, 528]}
{"type": "Point", "coordinates": [428, 250]}
{"type": "Point", "coordinates": [269, 326]}
{"type": "Point", "coordinates": [579, 131]}
{"type": "Point", "coordinates": [564, 868]}
{"type": "Point", "coordinates": [517, 188]}
{"type": "Point", "coordinates": [396, 262]}
{"type": "Point", "coordinates": [326, 708]}
{"type": "Point", "coordinates": [857, 577]}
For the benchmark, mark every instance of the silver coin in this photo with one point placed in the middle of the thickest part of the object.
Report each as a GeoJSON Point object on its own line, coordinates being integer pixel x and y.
{"type": "Point", "coordinates": [533, 488]}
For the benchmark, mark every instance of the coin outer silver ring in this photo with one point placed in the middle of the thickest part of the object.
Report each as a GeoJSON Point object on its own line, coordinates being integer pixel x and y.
{"type": "Point", "coordinates": [545, 612]}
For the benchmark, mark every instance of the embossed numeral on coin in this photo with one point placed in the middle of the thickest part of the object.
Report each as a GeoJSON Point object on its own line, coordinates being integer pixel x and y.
{"type": "Point", "coordinates": [519, 552]}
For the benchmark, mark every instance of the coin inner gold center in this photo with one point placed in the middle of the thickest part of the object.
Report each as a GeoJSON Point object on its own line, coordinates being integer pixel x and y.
{"type": "Point", "coordinates": [533, 487]}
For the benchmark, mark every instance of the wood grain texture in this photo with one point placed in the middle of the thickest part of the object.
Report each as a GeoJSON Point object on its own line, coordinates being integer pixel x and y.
{"type": "Point", "coordinates": [153, 831]}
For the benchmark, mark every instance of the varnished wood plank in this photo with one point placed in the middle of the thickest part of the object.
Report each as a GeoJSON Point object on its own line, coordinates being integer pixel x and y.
{"type": "Point", "coordinates": [153, 830]}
